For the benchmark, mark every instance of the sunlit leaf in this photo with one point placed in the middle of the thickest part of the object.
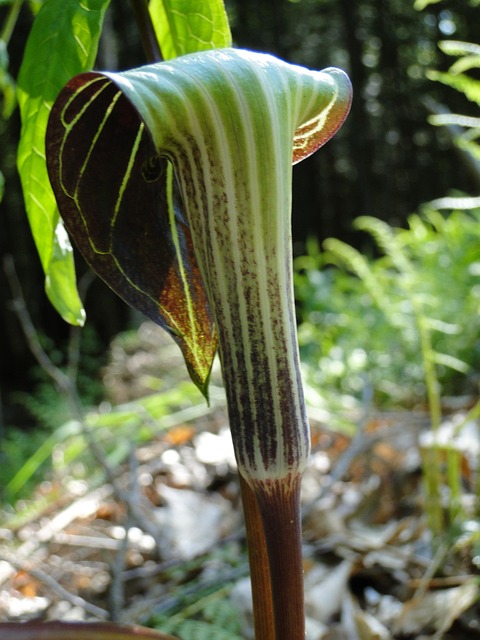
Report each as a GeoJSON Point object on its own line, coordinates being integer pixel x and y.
{"type": "Point", "coordinates": [419, 5]}
{"type": "Point", "coordinates": [459, 48]}
{"type": "Point", "coordinates": [63, 42]}
{"type": "Point", "coordinates": [60, 279]}
{"type": "Point", "coordinates": [451, 361]}
{"type": "Point", "coordinates": [187, 26]}
{"type": "Point", "coordinates": [470, 87]}
{"type": "Point", "coordinates": [445, 119]}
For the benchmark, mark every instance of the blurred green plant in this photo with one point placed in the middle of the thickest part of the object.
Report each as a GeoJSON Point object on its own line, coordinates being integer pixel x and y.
{"type": "Point", "coordinates": [405, 323]}
{"type": "Point", "coordinates": [114, 429]}
{"type": "Point", "coordinates": [464, 128]}
{"type": "Point", "coordinates": [16, 449]}
{"type": "Point", "coordinates": [359, 322]}
{"type": "Point", "coordinates": [465, 132]}
{"type": "Point", "coordinates": [203, 608]}
{"type": "Point", "coordinates": [7, 84]}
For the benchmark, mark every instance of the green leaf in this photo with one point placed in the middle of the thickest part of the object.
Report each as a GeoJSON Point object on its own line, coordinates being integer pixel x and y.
{"type": "Point", "coordinates": [60, 279]}
{"type": "Point", "coordinates": [459, 120]}
{"type": "Point", "coordinates": [466, 63]}
{"type": "Point", "coordinates": [188, 26]}
{"type": "Point", "coordinates": [202, 630]}
{"type": "Point", "coordinates": [63, 42]}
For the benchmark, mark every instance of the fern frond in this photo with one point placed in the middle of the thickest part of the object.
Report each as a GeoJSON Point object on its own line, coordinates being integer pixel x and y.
{"type": "Point", "coordinates": [221, 613]}
{"type": "Point", "coordinates": [387, 240]}
{"type": "Point", "coordinates": [343, 254]}
{"type": "Point", "coordinates": [461, 82]}
{"type": "Point", "coordinates": [467, 52]}
{"type": "Point", "coordinates": [447, 328]}
{"type": "Point", "coordinates": [199, 630]}
{"type": "Point", "coordinates": [450, 361]}
{"type": "Point", "coordinates": [459, 48]}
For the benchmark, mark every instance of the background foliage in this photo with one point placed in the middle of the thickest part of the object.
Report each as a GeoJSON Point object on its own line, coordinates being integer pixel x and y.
{"type": "Point", "coordinates": [388, 300]}
{"type": "Point", "coordinates": [359, 325]}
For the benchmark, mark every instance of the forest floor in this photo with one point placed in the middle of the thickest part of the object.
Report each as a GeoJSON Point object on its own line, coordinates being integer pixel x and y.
{"type": "Point", "coordinates": [160, 542]}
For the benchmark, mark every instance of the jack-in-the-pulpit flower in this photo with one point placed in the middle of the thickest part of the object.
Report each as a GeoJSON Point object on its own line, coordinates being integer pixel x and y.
{"type": "Point", "coordinates": [230, 122]}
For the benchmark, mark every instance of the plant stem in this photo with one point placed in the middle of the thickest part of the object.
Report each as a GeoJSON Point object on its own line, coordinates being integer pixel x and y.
{"type": "Point", "coordinates": [65, 384]}
{"type": "Point", "coordinates": [263, 618]}
{"type": "Point", "coordinates": [11, 21]}
{"type": "Point", "coordinates": [279, 503]}
{"type": "Point", "coordinates": [147, 32]}
{"type": "Point", "coordinates": [433, 471]}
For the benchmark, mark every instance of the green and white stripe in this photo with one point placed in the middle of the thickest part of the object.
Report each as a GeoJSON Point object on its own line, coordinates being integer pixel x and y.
{"type": "Point", "coordinates": [231, 122]}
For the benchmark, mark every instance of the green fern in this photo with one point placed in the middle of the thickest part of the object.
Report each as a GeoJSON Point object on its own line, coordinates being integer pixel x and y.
{"type": "Point", "coordinates": [200, 630]}
{"type": "Point", "coordinates": [343, 254]}
{"type": "Point", "coordinates": [209, 617]}
{"type": "Point", "coordinates": [466, 130]}
{"type": "Point", "coordinates": [392, 245]}
{"type": "Point", "coordinates": [407, 285]}
{"type": "Point", "coordinates": [221, 613]}
{"type": "Point", "coordinates": [468, 55]}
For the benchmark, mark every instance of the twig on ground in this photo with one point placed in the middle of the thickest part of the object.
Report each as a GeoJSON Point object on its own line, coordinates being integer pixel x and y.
{"type": "Point", "coordinates": [159, 603]}
{"type": "Point", "coordinates": [82, 507]}
{"type": "Point", "coordinates": [67, 387]}
{"type": "Point", "coordinates": [117, 591]}
{"type": "Point", "coordinates": [63, 382]}
{"type": "Point", "coordinates": [73, 356]}
{"type": "Point", "coordinates": [360, 443]}
{"type": "Point", "coordinates": [147, 32]}
{"type": "Point", "coordinates": [54, 586]}
{"type": "Point", "coordinates": [432, 568]}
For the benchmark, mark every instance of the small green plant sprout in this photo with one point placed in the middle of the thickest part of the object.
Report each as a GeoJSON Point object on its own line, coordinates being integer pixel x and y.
{"type": "Point", "coordinates": [174, 180]}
